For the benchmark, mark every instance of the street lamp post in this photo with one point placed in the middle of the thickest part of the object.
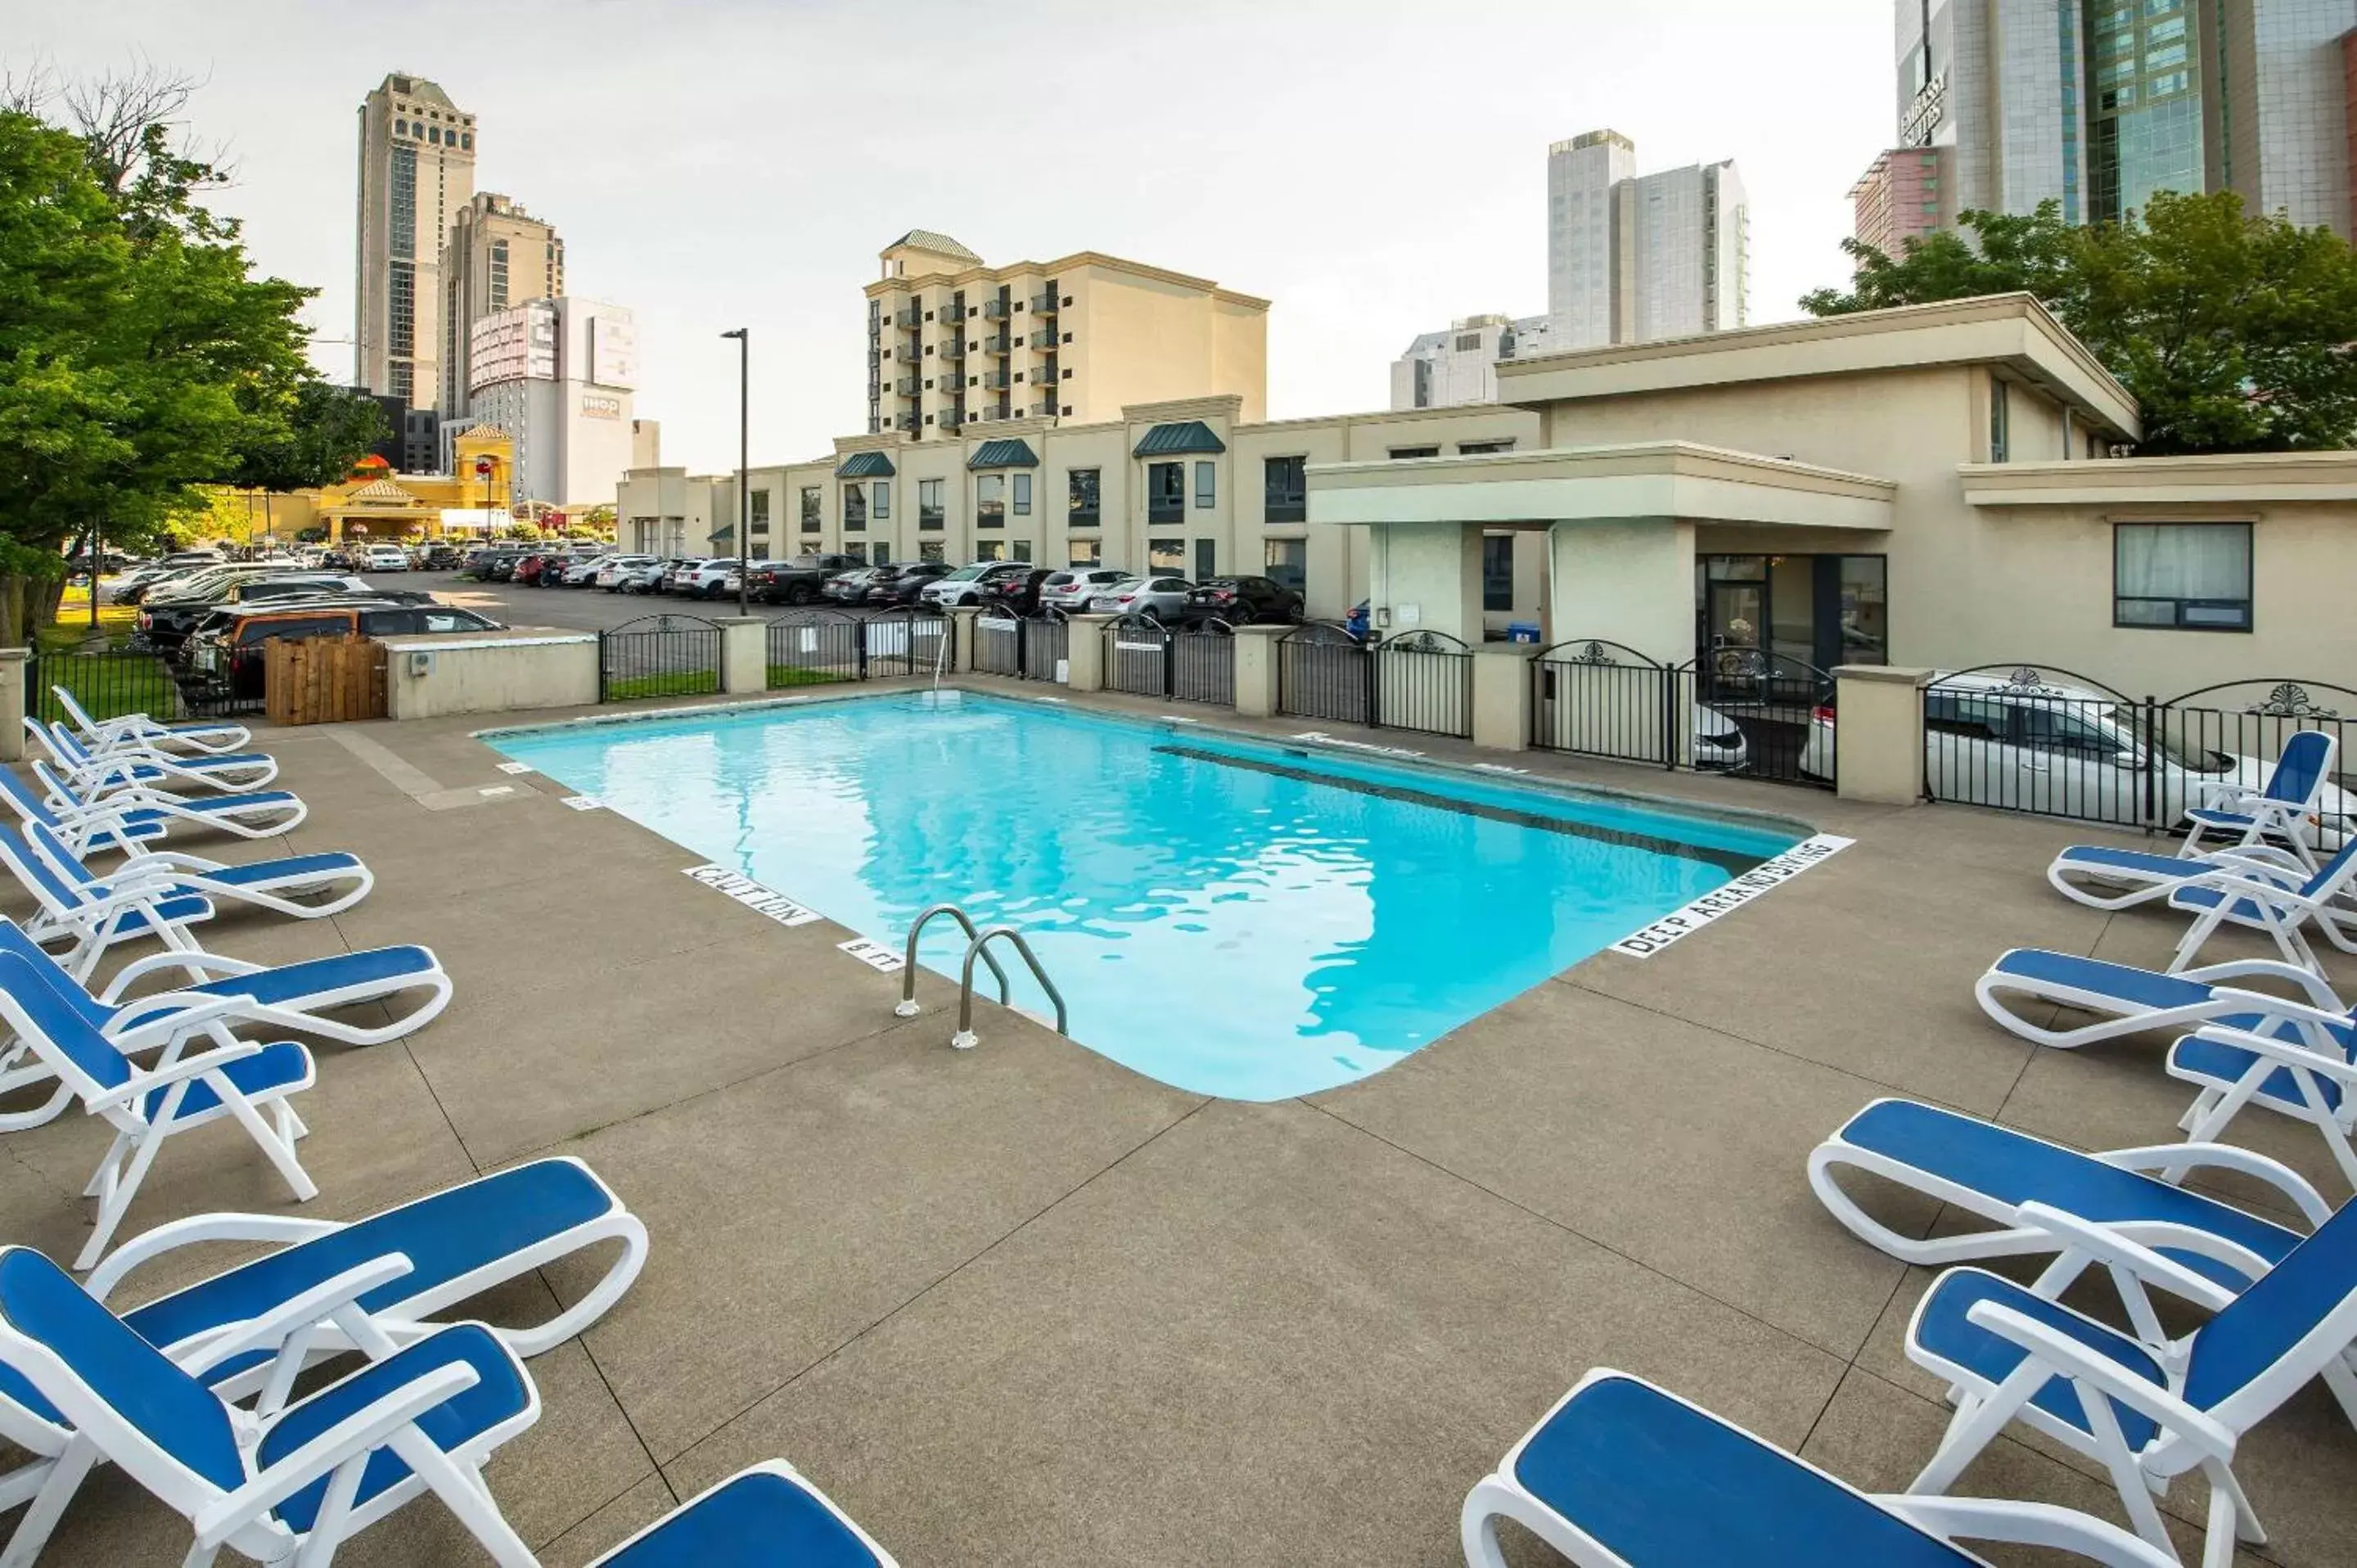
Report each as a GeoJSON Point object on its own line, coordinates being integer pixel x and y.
{"type": "Point", "coordinates": [744, 454]}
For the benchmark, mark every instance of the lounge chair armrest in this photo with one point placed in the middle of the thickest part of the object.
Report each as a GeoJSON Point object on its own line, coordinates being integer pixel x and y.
{"type": "Point", "coordinates": [2228, 1157]}
{"type": "Point", "coordinates": [162, 862]}
{"type": "Point", "coordinates": [2268, 1004]}
{"type": "Point", "coordinates": [187, 1011]}
{"type": "Point", "coordinates": [115, 899]}
{"type": "Point", "coordinates": [164, 1076]}
{"type": "Point", "coordinates": [2028, 1524]}
{"type": "Point", "coordinates": [2082, 1363]}
{"type": "Point", "coordinates": [2319, 991]}
{"type": "Point", "coordinates": [2120, 1247]}
{"type": "Point", "coordinates": [322, 1300]}
{"type": "Point", "coordinates": [2290, 1053]}
{"type": "Point", "coordinates": [149, 964]}
{"type": "Point", "coordinates": [356, 1435]}
{"type": "Point", "coordinates": [200, 1228]}
{"type": "Point", "coordinates": [2264, 858]}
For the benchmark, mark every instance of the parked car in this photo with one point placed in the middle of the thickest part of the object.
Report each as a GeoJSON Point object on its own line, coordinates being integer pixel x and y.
{"type": "Point", "coordinates": [611, 569]}
{"type": "Point", "coordinates": [707, 579]}
{"type": "Point", "coordinates": [798, 579]}
{"type": "Point", "coordinates": [1718, 742]}
{"type": "Point", "coordinates": [384, 558]}
{"type": "Point", "coordinates": [964, 585]}
{"type": "Point", "coordinates": [1243, 601]}
{"type": "Point", "coordinates": [481, 561]}
{"type": "Point", "coordinates": [442, 558]}
{"type": "Point", "coordinates": [909, 586]}
{"type": "Point", "coordinates": [1073, 588]}
{"type": "Point", "coordinates": [164, 626]}
{"type": "Point", "coordinates": [2068, 751]}
{"type": "Point", "coordinates": [1015, 596]}
{"type": "Point", "coordinates": [580, 572]}
{"type": "Point", "coordinates": [649, 576]}
{"type": "Point", "coordinates": [228, 658]}
{"type": "Point", "coordinates": [136, 585]}
{"type": "Point", "coordinates": [1163, 597]}
{"type": "Point", "coordinates": [855, 587]}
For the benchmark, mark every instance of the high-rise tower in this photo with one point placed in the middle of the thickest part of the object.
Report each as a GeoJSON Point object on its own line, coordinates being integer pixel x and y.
{"type": "Point", "coordinates": [417, 170]}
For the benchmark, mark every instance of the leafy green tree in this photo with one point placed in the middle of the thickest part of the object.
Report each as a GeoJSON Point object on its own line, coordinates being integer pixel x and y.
{"type": "Point", "coordinates": [2233, 333]}
{"type": "Point", "coordinates": [323, 432]}
{"type": "Point", "coordinates": [139, 357]}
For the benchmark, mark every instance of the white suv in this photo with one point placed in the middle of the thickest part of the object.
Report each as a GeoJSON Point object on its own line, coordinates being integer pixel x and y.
{"type": "Point", "coordinates": [614, 569]}
{"type": "Point", "coordinates": [2045, 746]}
{"type": "Point", "coordinates": [1072, 589]}
{"type": "Point", "coordinates": [963, 586]}
{"type": "Point", "coordinates": [384, 558]}
{"type": "Point", "coordinates": [707, 579]}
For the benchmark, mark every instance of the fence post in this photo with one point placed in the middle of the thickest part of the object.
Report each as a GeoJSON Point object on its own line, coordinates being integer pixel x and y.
{"type": "Point", "coordinates": [1257, 651]}
{"type": "Point", "coordinates": [1084, 655]}
{"type": "Point", "coordinates": [16, 674]}
{"type": "Point", "coordinates": [1369, 655]}
{"type": "Point", "coordinates": [744, 655]}
{"type": "Point", "coordinates": [1169, 662]}
{"type": "Point", "coordinates": [961, 634]}
{"type": "Point", "coordinates": [601, 667]}
{"type": "Point", "coordinates": [2149, 818]}
{"type": "Point", "coordinates": [1879, 733]}
{"type": "Point", "coordinates": [1502, 695]}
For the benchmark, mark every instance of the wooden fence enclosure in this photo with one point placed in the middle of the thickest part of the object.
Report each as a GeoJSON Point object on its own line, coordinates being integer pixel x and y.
{"type": "Point", "coordinates": [320, 681]}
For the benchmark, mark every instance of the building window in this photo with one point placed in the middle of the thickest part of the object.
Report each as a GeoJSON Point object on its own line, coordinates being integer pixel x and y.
{"type": "Point", "coordinates": [1023, 495]}
{"type": "Point", "coordinates": [1082, 484]}
{"type": "Point", "coordinates": [929, 508]}
{"type": "Point", "coordinates": [1085, 553]}
{"type": "Point", "coordinates": [1285, 492]}
{"type": "Point", "coordinates": [1206, 559]}
{"type": "Point", "coordinates": [2194, 576]}
{"type": "Point", "coordinates": [401, 127]}
{"type": "Point", "coordinates": [1287, 562]}
{"type": "Point", "coordinates": [1497, 571]}
{"type": "Point", "coordinates": [880, 554]}
{"type": "Point", "coordinates": [1166, 492]}
{"type": "Point", "coordinates": [760, 512]}
{"type": "Point", "coordinates": [1475, 448]}
{"type": "Point", "coordinates": [854, 509]}
{"type": "Point", "coordinates": [1207, 484]}
{"type": "Point", "coordinates": [990, 500]}
{"type": "Point", "coordinates": [1165, 554]}
{"type": "Point", "coordinates": [879, 497]}
{"type": "Point", "coordinates": [466, 141]}
{"type": "Point", "coordinates": [990, 549]}
{"type": "Point", "coordinates": [810, 523]}
{"type": "Point", "coordinates": [1402, 454]}
{"type": "Point", "coordinates": [2000, 421]}
{"type": "Point", "coordinates": [1022, 546]}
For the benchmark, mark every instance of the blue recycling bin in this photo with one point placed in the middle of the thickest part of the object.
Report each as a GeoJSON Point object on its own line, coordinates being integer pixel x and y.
{"type": "Point", "coordinates": [1523, 631]}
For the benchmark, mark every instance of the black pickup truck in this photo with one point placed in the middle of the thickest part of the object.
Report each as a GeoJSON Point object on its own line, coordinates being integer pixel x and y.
{"type": "Point", "coordinates": [797, 579]}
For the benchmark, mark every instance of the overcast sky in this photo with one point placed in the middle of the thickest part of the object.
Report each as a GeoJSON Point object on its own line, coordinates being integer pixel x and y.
{"type": "Point", "coordinates": [1373, 167]}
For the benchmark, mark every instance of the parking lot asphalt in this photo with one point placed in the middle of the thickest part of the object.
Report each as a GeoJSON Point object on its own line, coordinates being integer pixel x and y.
{"type": "Point", "coordinates": [574, 609]}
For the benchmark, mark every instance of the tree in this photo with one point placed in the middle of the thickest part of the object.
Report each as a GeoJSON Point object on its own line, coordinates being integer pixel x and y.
{"type": "Point", "coordinates": [139, 358]}
{"type": "Point", "coordinates": [324, 432]}
{"type": "Point", "coordinates": [2233, 333]}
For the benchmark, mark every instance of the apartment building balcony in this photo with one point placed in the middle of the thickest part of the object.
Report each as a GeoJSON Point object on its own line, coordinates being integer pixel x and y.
{"type": "Point", "coordinates": [1043, 304]}
{"type": "Point", "coordinates": [994, 309]}
{"type": "Point", "coordinates": [949, 419]}
{"type": "Point", "coordinates": [906, 386]}
{"type": "Point", "coordinates": [908, 422]}
{"type": "Point", "coordinates": [949, 310]}
{"type": "Point", "coordinates": [909, 354]}
{"type": "Point", "coordinates": [997, 379]}
{"type": "Point", "coordinates": [999, 342]}
{"type": "Point", "coordinates": [1043, 338]}
{"type": "Point", "coordinates": [1046, 410]}
{"type": "Point", "coordinates": [953, 348]}
{"type": "Point", "coordinates": [908, 315]}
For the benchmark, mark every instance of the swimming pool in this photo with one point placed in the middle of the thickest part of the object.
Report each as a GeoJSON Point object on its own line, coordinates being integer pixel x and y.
{"type": "Point", "coordinates": [1237, 918]}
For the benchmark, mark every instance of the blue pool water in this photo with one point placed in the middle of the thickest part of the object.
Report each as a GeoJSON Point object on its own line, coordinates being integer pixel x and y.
{"type": "Point", "coordinates": [1236, 917]}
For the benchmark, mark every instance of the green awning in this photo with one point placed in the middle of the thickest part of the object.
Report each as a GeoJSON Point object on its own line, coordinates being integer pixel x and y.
{"type": "Point", "coordinates": [1004, 455]}
{"type": "Point", "coordinates": [726, 534]}
{"type": "Point", "coordinates": [865, 466]}
{"type": "Point", "coordinates": [1164, 440]}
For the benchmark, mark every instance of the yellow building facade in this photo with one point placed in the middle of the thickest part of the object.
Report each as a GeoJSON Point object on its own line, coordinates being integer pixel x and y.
{"type": "Point", "coordinates": [385, 505]}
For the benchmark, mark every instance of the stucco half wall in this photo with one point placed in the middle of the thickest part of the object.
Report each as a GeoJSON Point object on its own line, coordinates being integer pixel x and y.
{"type": "Point", "coordinates": [489, 672]}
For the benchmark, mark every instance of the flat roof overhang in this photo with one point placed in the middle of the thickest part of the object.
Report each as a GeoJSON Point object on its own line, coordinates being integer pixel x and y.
{"type": "Point", "coordinates": [1652, 479]}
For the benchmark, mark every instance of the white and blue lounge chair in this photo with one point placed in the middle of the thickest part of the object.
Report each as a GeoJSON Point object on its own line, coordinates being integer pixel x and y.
{"type": "Point", "coordinates": [233, 772]}
{"type": "Point", "coordinates": [1621, 1474]}
{"type": "Point", "coordinates": [90, 836]}
{"type": "Point", "coordinates": [211, 737]}
{"type": "Point", "coordinates": [2107, 876]}
{"type": "Point", "coordinates": [1990, 1172]}
{"type": "Point", "coordinates": [283, 1482]}
{"type": "Point", "coordinates": [2262, 903]}
{"type": "Point", "coordinates": [2238, 1068]}
{"type": "Point", "coordinates": [178, 1094]}
{"type": "Point", "coordinates": [768, 1516]}
{"type": "Point", "coordinates": [305, 997]}
{"type": "Point", "coordinates": [253, 813]}
{"type": "Point", "coordinates": [2127, 1000]}
{"type": "Point", "coordinates": [2242, 815]}
{"type": "Point", "coordinates": [2148, 1411]}
{"type": "Point", "coordinates": [304, 886]}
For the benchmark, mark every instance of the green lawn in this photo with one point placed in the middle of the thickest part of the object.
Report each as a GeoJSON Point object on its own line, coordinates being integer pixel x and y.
{"type": "Point", "coordinates": [662, 684]}
{"type": "Point", "coordinates": [106, 684]}
{"type": "Point", "coordinates": [795, 675]}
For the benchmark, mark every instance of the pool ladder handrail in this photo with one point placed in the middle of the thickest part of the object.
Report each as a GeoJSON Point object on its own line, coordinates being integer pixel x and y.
{"type": "Point", "coordinates": [978, 946]}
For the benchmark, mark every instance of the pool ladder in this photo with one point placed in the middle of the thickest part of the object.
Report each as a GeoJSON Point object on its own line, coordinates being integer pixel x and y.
{"type": "Point", "coordinates": [978, 946]}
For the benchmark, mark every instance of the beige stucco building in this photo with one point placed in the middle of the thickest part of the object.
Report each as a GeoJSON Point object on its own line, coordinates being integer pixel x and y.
{"type": "Point", "coordinates": [1928, 486]}
{"type": "Point", "coordinates": [417, 172]}
{"type": "Point", "coordinates": [953, 343]}
{"type": "Point", "coordinates": [497, 255]}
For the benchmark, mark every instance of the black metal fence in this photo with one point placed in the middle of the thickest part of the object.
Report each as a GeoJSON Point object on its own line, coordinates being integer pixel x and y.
{"type": "Point", "coordinates": [1189, 664]}
{"type": "Point", "coordinates": [1743, 710]}
{"type": "Point", "coordinates": [997, 645]}
{"type": "Point", "coordinates": [107, 683]}
{"type": "Point", "coordinates": [2022, 738]}
{"type": "Point", "coordinates": [1025, 648]}
{"type": "Point", "coordinates": [906, 642]}
{"type": "Point", "coordinates": [1324, 671]}
{"type": "Point", "coordinates": [809, 647]}
{"type": "Point", "coordinates": [658, 656]}
{"type": "Point", "coordinates": [1424, 682]}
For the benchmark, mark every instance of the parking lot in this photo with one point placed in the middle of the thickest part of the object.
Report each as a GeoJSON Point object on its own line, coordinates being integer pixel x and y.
{"type": "Point", "coordinates": [574, 609]}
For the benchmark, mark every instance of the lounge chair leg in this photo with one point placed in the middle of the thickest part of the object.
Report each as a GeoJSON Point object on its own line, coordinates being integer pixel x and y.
{"type": "Point", "coordinates": [463, 1494]}
{"type": "Point", "coordinates": [1478, 1528]}
{"type": "Point", "coordinates": [48, 1506]}
{"type": "Point", "coordinates": [117, 1198]}
{"type": "Point", "coordinates": [278, 1149]}
{"type": "Point", "coordinates": [1974, 1426]}
{"type": "Point", "coordinates": [2342, 1381]}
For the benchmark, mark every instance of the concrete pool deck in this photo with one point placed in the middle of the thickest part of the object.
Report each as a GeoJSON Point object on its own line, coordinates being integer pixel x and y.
{"type": "Point", "coordinates": [1018, 1305]}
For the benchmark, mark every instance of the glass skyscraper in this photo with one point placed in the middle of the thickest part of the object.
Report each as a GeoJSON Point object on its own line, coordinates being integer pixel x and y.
{"type": "Point", "coordinates": [2144, 104]}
